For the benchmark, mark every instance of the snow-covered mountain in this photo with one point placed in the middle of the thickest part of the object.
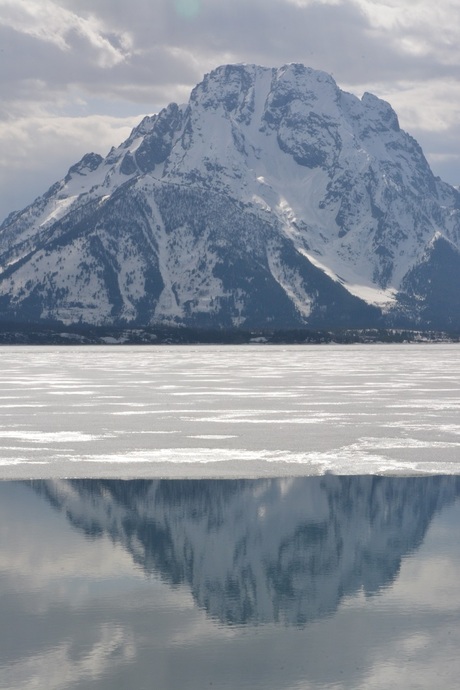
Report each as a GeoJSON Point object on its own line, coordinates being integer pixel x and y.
{"type": "Point", "coordinates": [272, 199]}
{"type": "Point", "coordinates": [261, 551]}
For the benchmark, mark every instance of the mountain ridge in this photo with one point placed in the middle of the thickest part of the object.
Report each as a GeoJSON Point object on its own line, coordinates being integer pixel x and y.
{"type": "Point", "coordinates": [273, 199]}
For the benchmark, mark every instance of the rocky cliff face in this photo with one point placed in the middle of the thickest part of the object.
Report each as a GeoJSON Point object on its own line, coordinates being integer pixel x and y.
{"type": "Point", "coordinates": [271, 199]}
{"type": "Point", "coordinates": [261, 551]}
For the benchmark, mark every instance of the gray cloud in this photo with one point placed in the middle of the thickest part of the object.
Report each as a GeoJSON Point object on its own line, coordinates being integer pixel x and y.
{"type": "Point", "coordinates": [76, 59]}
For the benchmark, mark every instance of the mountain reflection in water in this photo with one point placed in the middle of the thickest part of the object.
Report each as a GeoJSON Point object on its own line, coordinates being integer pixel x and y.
{"type": "Point", "coordinates": [261, 551]}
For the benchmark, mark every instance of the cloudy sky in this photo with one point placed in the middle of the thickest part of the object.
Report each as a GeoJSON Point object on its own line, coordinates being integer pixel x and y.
{"type": "Point", "coordinates": [77, 75]}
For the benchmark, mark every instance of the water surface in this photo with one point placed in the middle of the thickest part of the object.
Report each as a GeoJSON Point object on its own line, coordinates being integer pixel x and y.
{"type": "Point", "coordinates": [307, 583]}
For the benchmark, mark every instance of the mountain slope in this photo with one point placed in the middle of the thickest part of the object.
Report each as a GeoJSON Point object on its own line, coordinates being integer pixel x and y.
{"type": "Point", "coordinates": [271, 199]}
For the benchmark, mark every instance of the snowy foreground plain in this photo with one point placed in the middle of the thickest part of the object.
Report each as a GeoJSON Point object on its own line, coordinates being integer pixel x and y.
{"type": "Point", "coordinates": [229, 411]}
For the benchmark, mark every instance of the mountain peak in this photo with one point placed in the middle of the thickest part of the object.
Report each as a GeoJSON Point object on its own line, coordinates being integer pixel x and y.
{"type": "Point", "coordinates": [89, 163]}
{"type": "Point", "coordinates": [379, 110]}
{"type": "Point", "coordinates": [272, 199]}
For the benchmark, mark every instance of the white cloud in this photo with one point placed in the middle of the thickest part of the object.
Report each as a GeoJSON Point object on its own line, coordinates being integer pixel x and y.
{"type": "Point", "coordinates": [46, 21]}
{"type": "Point", "coordinates": [33, 138]}
{"type": "Point", "coordinates": [114, 647]}
{"type": "Point", "coordinates": [421, 27]}
{"type": "Point", "coordinates": [306, 3]}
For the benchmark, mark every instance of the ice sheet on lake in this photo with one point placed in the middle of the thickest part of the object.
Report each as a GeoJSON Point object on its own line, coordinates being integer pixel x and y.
{"type": "Point", "coordinates": [229, 411]}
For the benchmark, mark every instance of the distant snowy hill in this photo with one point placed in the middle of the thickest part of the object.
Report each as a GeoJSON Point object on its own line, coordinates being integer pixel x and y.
{"type": "Point", "coordinates": [272, 199]}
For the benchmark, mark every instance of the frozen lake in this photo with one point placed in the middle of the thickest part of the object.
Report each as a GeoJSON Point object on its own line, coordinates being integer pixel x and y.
{"type": "Point", "coordinates": [229, 411]}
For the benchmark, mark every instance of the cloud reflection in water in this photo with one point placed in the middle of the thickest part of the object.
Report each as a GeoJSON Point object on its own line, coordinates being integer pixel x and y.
{"type": "Point", "coordinates": [246, 583]}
